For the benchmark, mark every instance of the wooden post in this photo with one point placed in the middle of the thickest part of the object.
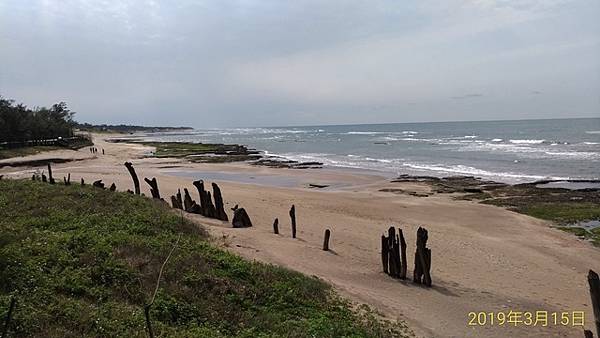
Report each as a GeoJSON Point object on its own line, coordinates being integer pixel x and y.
{"type": "Point", "coordinates": [422, 259]}
{"type": "Point", "coordinates": [384, 253]}
{"type": "Point", "coordinates": [241, 219]}
{"type": "Point", "coordinates": [392, 257]}
{"type": "Point", "coordinates": [50, 178]}
{"type": "Point", "coordinates": [98, 184]}
{"type": "Point", "coordinates": [11, 307]}
{"type": "Point", "coordinates": [594, 283]}
{"type": "Point", "coordinates": [219, 207]}
{"type": "Point", "coordinates": [82, 181]}
{"type": "Point", "coordinates": [588, 334]}
{"type": "Point", "coordinates": [179, 199]}
{"type": "Point", "coordinates": [276, 226]}
{"type": "Point", "coordinates": [44, 178]}
{"type": "Point", "coordinates": [113, 187]}
{"type": "Point", "coordinates": [153, 187]}
{"type": "Point", "coordinates": [326, 240]}
{"type": "Point", "coordinates": [293, 217]}
{"type": "Point", "coordinates": [404, 263]}
{"type": "Point", "coordinates": [136, 181]}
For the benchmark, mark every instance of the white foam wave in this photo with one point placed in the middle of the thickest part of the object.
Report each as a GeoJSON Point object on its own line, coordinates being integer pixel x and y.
{"type": "Point", "coordinates": [592, 132]}
{"type": "Point", "coordinates": [527, 141]}
{"type": "Point", "coordinates": [364, 132]}
{"type": "Point", "coordinates": [591, 143]}
{"type": "Point", "coordinates": [467, 170]}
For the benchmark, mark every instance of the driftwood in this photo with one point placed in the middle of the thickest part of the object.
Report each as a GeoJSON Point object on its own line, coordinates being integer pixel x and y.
{"type": "Point", "coordinates": [98, 184]}
{"type": "Point", "coordinates": [421, 273]}
{"type": "Point", "coordinates": [219, 205]}
{"type": "Point", "coordinates": [50, 178]}
{"type": "Point", "coordinates": [276, 226]}
{"type": "Point", "coordinates": [241, 219]}
{"type": "Point", "coordinates": [136, 181]}
{"type": "Point", "coordinates": [153, 187]}
{"type": "Point", "coordinates": [594, 282]}
{"type": "Point", "coordinates": [293, 218]}
{"type": "Point", "coordinates": [113, 187]}
{"type": "Point", "coordinates": [326, 240]}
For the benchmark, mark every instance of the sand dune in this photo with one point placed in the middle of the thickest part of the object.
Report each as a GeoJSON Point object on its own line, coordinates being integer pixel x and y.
{"type": "Point", "coordinates": [484, 258]}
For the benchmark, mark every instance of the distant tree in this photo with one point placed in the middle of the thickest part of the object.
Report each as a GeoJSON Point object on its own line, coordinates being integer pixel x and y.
{"type": "Point", "coordinates": [20, 123]}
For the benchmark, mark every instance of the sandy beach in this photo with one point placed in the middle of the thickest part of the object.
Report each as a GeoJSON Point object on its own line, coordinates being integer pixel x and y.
{"type": "Point", "coordinates": [484, 258]}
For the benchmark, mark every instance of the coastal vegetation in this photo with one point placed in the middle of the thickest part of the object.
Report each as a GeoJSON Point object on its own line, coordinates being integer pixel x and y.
{"type": "Point", "coordinates": [26, 131]}
{"type": "Point", "coordinates": [82, 261]}
{"type": "Point", "coordinates": [20, 123]}
{"type": "Point", "coordinates": [125, 128]}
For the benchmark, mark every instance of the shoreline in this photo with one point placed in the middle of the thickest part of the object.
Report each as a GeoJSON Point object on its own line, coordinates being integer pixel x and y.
{"type": "Point", "coordinates": [533, 266]}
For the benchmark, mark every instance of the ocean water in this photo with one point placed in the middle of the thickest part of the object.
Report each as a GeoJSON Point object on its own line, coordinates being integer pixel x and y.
{"type": "Point", "coordinates": [508, 151]}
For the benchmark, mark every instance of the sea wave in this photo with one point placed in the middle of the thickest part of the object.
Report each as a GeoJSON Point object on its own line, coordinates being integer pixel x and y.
{"type": "Point", "coordinates": [527, 141]}
{"type": "Point", "coordinates": [592, 131]}
{"type": "Point", "coordinates": [467, 170]}
{"type": "Point", "coordinates": [364, 132]}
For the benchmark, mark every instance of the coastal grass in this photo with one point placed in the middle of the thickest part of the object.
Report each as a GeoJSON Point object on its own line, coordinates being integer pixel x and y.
{"type": "Point", "coordinates": [82, 262]}
{"type": "Point", "coordinates": [25, 151]}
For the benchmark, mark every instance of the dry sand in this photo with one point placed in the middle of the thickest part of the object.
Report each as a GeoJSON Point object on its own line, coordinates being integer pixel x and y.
{"type": "Point", "coordinates": [484, 258]}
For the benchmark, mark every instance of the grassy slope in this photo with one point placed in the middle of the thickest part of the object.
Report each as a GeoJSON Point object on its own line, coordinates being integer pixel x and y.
{"type": "Point", "coordinates": [16, 152]}
{"type": "Point", "coordinates": [83, 261]}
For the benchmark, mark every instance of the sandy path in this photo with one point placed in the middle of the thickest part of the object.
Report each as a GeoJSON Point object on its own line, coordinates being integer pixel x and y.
{"type": "Point", "coordinates": [484, 258]}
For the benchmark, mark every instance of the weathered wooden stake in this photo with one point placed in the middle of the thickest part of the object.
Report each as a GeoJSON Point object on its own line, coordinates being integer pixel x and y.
{"type": "Point", "coordinates": [44, 178]}
{"type": "Point", "coordinates": [67, 180]}
{"type": "Point", "coordinates": [594, 282]}
{"type": "Point", "coordinates": [11, 307]}
{"type": "Point", "coordinates": [136, 181]}
{"type": "Point", "coordinates": [588, 334]}
{"type": "Point", "coordinates": [276, 226]}
{"type": "Point", "coordinates": [393, 265]}
{"type": "Point", "coordinates": [293, 217]}
{"type": "Point", "coordinates": [422, 259]}
{"type": "Point", "coordinates": [153, 187]}
{"type": "Point", "coordinates": [326, 240]}
{"type": "Point", "coordinates": [384, 253]}
{"type": "Point", "coordinates": [241, 219]}
{"type": "Point", "coordinates": [82, 181]}
{"type": "Point", "coordinates": [98, 184]}
{"type": "Point", "coordinates": [219, 205]}
{"type": "Point", "coordinates": [404, 263]}
{"type": "Point", "coordinates": [50, 178]}
{"type": "Point", "coordinates": [113, 187]}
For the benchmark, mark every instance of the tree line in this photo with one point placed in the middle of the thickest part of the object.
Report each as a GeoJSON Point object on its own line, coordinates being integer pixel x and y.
{"type": "Point", "coordinates": [19, 123]}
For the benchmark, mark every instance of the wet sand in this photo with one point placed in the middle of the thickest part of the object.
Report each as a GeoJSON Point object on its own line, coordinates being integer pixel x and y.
{"type": "Point", "coordinates": [484, 258]}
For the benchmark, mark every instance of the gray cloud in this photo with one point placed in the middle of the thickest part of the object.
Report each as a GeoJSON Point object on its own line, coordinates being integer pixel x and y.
{"type": "Point", "coordinates": [232, 63]}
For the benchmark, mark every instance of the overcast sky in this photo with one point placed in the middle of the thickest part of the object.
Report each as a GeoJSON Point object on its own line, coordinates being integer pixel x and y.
{"type": "Point", "coordinates": [227, 63]}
